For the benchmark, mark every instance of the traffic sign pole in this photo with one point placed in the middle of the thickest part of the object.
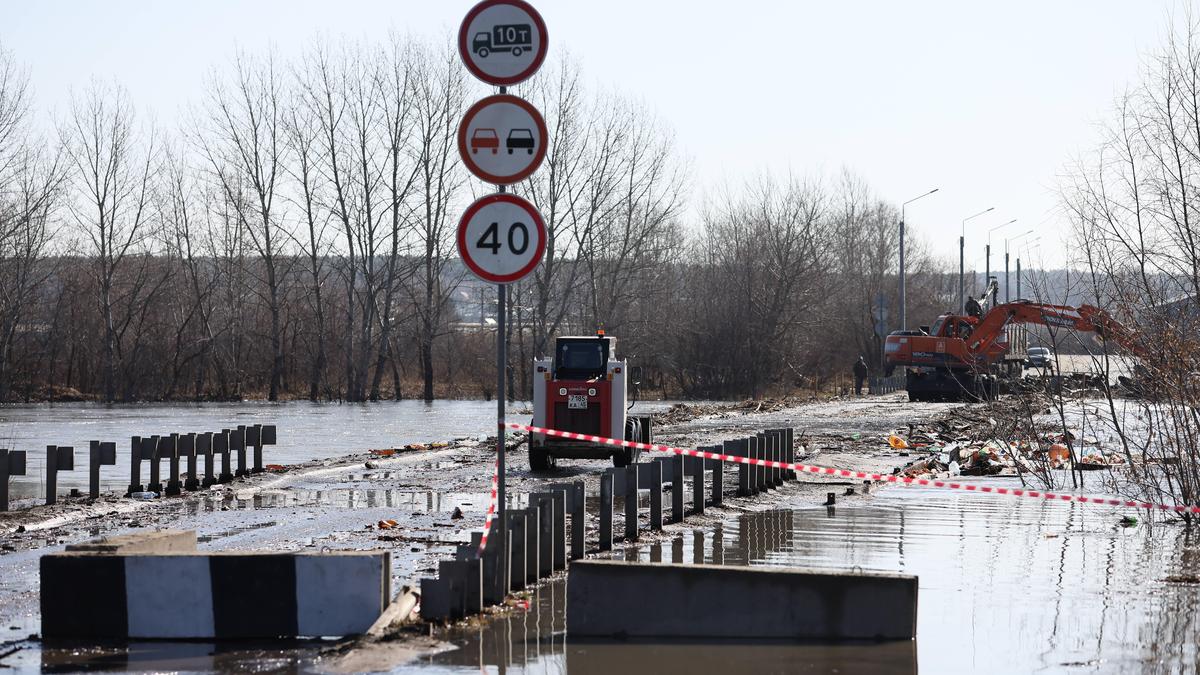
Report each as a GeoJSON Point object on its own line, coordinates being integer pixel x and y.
{"type": "Point", "coordinates": [502, 42]}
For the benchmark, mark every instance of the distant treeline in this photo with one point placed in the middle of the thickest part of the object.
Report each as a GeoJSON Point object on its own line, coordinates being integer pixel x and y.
{"type": "Point", "coordinates": [293, 237]}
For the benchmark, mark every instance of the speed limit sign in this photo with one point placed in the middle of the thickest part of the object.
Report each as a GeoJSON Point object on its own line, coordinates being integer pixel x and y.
{"type": "Point", "coordinates": [501, 238]}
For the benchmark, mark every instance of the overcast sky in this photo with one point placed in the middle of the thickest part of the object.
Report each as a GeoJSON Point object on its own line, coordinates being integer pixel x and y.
{"type": "Point", "coordinates": [986, 101]}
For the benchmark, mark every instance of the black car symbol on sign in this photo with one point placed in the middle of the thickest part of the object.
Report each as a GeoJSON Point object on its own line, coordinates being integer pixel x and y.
{"type": "Point", "coordinates": [514, 38]}
{"type": "Point", "coordinates": [519, 138]}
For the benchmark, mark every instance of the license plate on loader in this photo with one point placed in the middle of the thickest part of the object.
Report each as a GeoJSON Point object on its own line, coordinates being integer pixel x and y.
{"type": "Point", "coordinates": [577, 402]}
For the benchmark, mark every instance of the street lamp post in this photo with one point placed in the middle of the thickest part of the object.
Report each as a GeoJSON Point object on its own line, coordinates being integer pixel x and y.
{"type": "Point", "coordinates": [962, 238]}
{"type": "Point", "coordinates": [903, 306]}
{"type": "Point", "coordinates": [1027, 246]}
{"type": "Point", "coordinates": [987, 266]}
{"type": "Point", "coordinates": [1006, 242]}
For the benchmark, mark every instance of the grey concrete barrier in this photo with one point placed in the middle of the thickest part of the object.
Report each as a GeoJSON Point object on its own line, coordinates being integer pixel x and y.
{"type": "Point", "coordinates": [605, 536]}
{"type": "Point", "coordinates": [212, 595]}
{"type": "Point", "coordinates": [99, 454]}
{"type": "Point", "coordinates": [713, 602]}
{"type": "Point", "coordinates": [135, 466]}
{"type": "Point", "coordinates": [573, 503]}
{"type": "Point", "coordinates": [58, 458]}
{"type": "Point", "coordinates": [12, 463]}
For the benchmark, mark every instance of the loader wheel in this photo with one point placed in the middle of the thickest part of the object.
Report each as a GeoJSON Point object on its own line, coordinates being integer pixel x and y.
{"type": "Point", "coordinates": [540, 459]}
{"type": "Point", "coordinates": [633, 432]}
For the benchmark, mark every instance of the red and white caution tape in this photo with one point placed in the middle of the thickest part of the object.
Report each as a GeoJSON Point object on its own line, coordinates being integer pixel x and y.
{"type": "Point", "coordinates": [491, 510]}
{"type": "Point", "coordinates": [844, 473]}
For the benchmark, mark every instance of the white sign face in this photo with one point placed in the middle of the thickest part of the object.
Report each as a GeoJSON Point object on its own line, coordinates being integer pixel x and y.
{"type": "Point", "coordinates": [502, 42]}
{"type": "Point", "coordinates": [501, 238]}
{"type": "Point", "coordinates": [502, 139]}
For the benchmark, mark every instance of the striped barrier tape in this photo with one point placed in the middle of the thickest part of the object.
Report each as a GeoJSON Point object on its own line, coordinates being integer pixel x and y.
{"type": "Point", "coordinates": [845, 473]}
{"type": "Point", "coordinates": [491, 510]}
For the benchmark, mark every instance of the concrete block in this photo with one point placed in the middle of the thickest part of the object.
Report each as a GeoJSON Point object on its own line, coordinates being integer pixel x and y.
{"type": "Point", "coordinates": [559, 507]}
{"type": "Point", "coordinates": [58, 458]}
{"type": "Point", "coordinates": [650, 476]}
{"type": "Point", "coordinates": [547, 534]}
{"type": "Point", "coordinates": [237, 444]}
{"type": "Point", "coordinates": [457, 577]}
{"type": "Point", "coordinates": [187, 448]}
{"type": "Point", "coordinates": [150, 454]}
{"type": "Point", "coordinates": [212, 595]}
{"type": "Point", "coordinates": [533, 545]}
{"type": "Point", "coordinates": [222, 447]}
{"type": "Point", "coordinates": [710, 602]}
{"type": "Point", "coordinates": [160, 541]}
{"type": "Point", "coordinates": [204, 448]}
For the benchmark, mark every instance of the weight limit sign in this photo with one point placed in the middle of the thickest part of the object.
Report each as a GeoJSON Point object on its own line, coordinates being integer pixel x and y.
{"type": "Point", "coordinates": [501, 238]}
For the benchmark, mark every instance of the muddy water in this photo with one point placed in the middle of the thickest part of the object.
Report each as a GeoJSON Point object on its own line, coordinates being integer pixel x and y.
{"type": "Point", "coordinates": [1005, 586]}
{"type": "Point", "coordinates": [306, 430]}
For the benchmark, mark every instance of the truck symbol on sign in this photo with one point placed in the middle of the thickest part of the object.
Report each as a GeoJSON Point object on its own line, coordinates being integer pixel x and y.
{"type": "Point", "coordinates": [514, 38]}
{"type": "Point", "coordinates": [519, 138]}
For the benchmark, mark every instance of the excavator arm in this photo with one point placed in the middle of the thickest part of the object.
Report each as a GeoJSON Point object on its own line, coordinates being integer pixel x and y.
{"type": "Point", "coordinates": [1086, 318]}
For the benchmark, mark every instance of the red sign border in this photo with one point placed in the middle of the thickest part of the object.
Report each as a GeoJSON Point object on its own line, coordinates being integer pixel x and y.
{"type": "Point", "coordinates": [539, 155]}
{"type": "Point", "coordinates": [538, 58]}
{"type": "Point", "coordinates": [474, 208]}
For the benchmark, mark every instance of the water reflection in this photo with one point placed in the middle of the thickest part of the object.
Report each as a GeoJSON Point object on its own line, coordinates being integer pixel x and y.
{"type": "Point", "coordinates": [276, 657]}
{"type": "Point", "coordinates": [1005, 586]}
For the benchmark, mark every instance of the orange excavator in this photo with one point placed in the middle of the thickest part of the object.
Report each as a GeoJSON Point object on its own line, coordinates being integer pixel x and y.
{"type": "Point", "coordinates": [961, 357]}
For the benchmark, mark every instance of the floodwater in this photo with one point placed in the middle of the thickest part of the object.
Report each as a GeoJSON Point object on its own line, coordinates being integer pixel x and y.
{"type": "Point", "coordinates": [1012, 586]}
{"type": "Point", "coordinates": [306, 430]}
{"type": "Point", "coordinates": [1006, 585]}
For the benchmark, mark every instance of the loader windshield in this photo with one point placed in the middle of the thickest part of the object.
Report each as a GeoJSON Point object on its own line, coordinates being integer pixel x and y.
{"type": "Point", "coordinates": [581, 359]}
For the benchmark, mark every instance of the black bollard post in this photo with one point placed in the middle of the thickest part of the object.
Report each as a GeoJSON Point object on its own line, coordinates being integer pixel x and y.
{"type": "Point", "coordinates": [696, 465]}
{"type": "Point", "coordinates": [99, 454]}
{"type": "Point", "coordinates": [169, 446]}
{"type": "Point", "coordinates": [760, 470]}
{"type": "Point", "coordinates": [58, 458]}
{"type": "Point", "coordinates": [135, 466]}
{"type": "Point", "coordinates": [650, 476]}
{"type": "Point", "coordinates": [606, 511]}
{"type": "Point", "coordinates": [516, 549]}
{"type": "Point", "coordinates": [789, 443]}
{"type": "Point", "coordinates": [533, 529]}
{"type": "Point", "coordinates": [204, 446]}
{"type": "Point", "coordinates": [237, 443]}
{"type": "Point", "coordinates": [12, 463]}
{"type": "Point", "coordinates": [744, 450]}
{"type": "Point", "coordinates": [187, 448]}
{"type": "Point", "coordinates": [221, 445]}
{"type": "Point", "coordinates": [677, 489]}
{"type": "Point", "coordinates": [718, 469]}
{"type": "Point", "coordinates": [578, 520]}
{"type": "Point", "coordinates": [631, 503]}
{"type": "Point", "coordinates": [254, 443]}
{"type": "Point", "coordinates": [150, 453]}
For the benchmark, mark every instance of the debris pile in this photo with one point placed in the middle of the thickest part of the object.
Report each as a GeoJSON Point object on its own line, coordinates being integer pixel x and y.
{"type": "Point", "coordinates": [970, 442]}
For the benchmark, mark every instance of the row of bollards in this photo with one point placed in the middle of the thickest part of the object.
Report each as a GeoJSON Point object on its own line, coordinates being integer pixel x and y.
{"type": "Point", "coordinates": [226, 444]}
{"type": "Point", "coordinates": [173, 447]}
{"type": "Point", "coordinates": [539, 542]}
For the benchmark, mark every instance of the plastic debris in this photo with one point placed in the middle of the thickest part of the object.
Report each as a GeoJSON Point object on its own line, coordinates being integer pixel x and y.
{"type": "Point", "coordinates": [897, 442]}
{"type": "Point", "coordinates": [144, 496]}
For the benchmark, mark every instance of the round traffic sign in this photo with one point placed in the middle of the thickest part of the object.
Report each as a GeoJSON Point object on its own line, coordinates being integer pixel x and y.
{"type": "Point", "coordinates": [502, 139]}
{"type": "Point", "coordinates": [501, 238]}
{"type": "Point", "coordinates": [502, 42]}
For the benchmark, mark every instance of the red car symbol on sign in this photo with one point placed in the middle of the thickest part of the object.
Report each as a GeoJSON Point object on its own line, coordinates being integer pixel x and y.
{"type": "Point", "coordinates": [485, 138]}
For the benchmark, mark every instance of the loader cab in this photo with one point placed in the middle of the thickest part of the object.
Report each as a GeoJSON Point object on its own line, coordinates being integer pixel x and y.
{"type": "Point", "coordinates": [953, 326]}
{"type": "Point", "coordinates": [581, 358]}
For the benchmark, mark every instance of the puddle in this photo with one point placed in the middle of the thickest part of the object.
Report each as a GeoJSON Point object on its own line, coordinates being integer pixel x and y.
{"type": "Point", "coordinates": [424, 501]}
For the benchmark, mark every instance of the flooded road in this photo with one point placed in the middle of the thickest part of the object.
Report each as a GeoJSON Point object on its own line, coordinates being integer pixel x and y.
{"type": "Point", "coordinates": [1005, 586]}
{"type": "Point", "coordinates": [306, 430]}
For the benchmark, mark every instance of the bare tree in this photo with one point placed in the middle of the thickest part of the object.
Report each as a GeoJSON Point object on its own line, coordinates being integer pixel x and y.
{"type": "Point", "coordinates": [111, 170]}
{"type": "Point", "coordinates": [242, 139]}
